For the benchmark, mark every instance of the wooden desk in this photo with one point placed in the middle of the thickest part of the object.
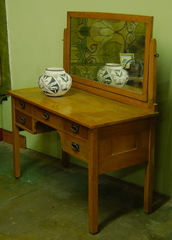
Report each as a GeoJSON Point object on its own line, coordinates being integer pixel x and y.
{"type": "Point", "coordinates": [106, 134]}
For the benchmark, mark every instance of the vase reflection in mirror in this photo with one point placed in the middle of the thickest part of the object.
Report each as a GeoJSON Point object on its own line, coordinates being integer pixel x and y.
{"type": "Point", "coordinates": [113, 74]}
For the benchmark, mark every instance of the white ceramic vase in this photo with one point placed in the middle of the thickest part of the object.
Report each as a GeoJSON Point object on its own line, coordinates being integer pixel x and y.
{"type": "Point", "coordinates": [55, 82]}
{"type": "Point", "coordinates": [113, 74]}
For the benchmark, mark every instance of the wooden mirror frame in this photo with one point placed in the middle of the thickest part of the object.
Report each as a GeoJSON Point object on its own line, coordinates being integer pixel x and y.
{"type": "Point", "coordinates": [144, 100]}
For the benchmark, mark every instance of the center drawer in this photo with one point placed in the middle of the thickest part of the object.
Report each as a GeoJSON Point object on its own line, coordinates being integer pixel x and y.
{"type": "Point", "coordinates": [48, 118]}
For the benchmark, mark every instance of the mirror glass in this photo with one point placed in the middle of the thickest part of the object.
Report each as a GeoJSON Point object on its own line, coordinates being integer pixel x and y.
{"type": "Point", "coordinates": [110, 49]}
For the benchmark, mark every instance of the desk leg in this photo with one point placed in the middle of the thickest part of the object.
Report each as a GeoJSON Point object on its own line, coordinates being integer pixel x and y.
{"type": "Point", "coordinates": [149, 173]}
{"type": "Point", "coordinates": [93, 184]}
{"type": "Point", "coordinates": [65, 159]}
{"type": "Point", "coordinates": [16, 145]}
{"type": "Point", "coordinates": [16, 152]}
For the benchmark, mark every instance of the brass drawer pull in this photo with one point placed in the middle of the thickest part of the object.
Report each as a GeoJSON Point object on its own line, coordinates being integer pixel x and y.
{"type": "Point", "coordinates": [22, 104]}
{"type": "Point", "coordinates": [75, 146]}
{"type": "Point", "coordinates": [46, 116]}
{"type": "Point", "coordinates": [23, 120]}
{"type": "Point", "coordinates": [75, 128]}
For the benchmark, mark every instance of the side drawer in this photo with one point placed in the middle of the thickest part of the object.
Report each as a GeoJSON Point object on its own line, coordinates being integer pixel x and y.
{"type": "Point", "coordinates": [48, 118]}
{"type": "Point", "coordinates": [75, 129]}
{"type": "Point", "coordinates": [74, 146]}
{"type": "Point", "coordinates": [23, 120]}
{"type": "Point", "coordinates": [23, 106]}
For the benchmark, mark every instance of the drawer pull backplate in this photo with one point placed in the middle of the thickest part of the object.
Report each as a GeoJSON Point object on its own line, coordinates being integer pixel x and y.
{"type": "Point", "coordinates": [75, 146]}
{"type": "Point", "coordinates": [46, 116]}
{"type": "Point", "coordinates": [23, 120]}
{"type": "Point", "coordinates": [75, 128]}
{"type": "Point", "coordinates": [22, 105]}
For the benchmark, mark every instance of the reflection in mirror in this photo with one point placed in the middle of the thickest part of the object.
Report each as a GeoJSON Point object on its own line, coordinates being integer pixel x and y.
{"type": "Point", "coordinates": [97, 42]}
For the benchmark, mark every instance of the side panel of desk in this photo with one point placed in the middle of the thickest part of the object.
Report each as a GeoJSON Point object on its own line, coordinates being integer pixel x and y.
{"type": "Point", "coordinates": [123, 145]}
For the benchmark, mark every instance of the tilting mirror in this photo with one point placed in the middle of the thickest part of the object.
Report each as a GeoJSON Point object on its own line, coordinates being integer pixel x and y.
{"type": "Point", "coordinates": [109, 51]}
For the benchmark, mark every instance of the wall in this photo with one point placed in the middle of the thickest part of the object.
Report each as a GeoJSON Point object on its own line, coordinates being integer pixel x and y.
{"type": "Point", "coordinates": [35, 35]}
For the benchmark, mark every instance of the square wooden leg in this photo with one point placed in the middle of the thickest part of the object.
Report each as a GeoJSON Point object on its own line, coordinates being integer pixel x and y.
{"type": "Point", "coordinates": [65, 159]}
{"type": "Point", "coordinates": [16, 152]}
{"type": "Point", "coordinates": [93, 183]}
{"type": "Point", "coordinates": [149, 172]}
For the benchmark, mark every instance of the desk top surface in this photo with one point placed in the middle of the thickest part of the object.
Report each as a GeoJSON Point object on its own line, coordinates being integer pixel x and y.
{"type": "Point", "coordinates": [82, 107]}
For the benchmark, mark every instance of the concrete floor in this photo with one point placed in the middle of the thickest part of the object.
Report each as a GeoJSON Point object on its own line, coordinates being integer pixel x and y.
{"type": "Point", "coordinates": [49, 202]}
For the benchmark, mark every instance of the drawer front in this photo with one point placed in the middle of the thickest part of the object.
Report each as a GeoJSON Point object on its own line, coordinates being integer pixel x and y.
{"type": "Point", "coordinates": [74, 146]}
{"type": "Point", "coordinates": [48, 118]}
{"type": "Point", "coordinates": [75, 129]}
{"type": "Point", "coordinates": [23, 106]}
{"type": "Point", "coordinates": [23, 120]}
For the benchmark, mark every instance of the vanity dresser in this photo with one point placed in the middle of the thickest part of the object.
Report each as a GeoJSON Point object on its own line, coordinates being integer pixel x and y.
{"type": "Point", "coordinates": [109, 127]}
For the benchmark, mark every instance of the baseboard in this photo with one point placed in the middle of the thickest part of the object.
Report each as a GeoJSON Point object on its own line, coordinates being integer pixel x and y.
{"type": "Point", "coordinates": [7, 136]}
{"type": "Point", "coordinates": [1, 134]}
